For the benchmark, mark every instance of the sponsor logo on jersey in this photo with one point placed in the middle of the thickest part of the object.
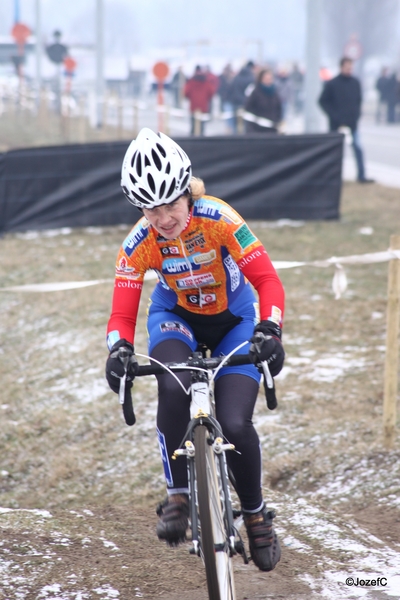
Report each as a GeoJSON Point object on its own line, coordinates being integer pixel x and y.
{"type": "Point", "coordinates": [123, 270]}
{"type": "Point", "coordinates": [195, 281]}
{"type": "Point", "coordinates": [249, 258]}
{"type": "Point", "coordinates": [176, 326]}
{"type": "Point", "coordinates": [201, 299]}
{"type": "Point", "coordinates": [195, 241]}
{"type": "Point", "coordinates": [234, 272]}
{"type": "Point", "coordinates": [204, 258]}
{"type": "Point", "coordinates": [162, 279]}
{"type": "Point", "coordinates": [173, 266]}
{"type": "Point", "coordinates": [229, 215]}
{"type": "Point", "coordinates": [135, 238]}
{"type": "Point", "coordinates": [170, 251]}
{"type": "Point", "coordinates": [207, 209]}
{"type": "Point", "coordinates": [133, 285]}
{"type": "Point", "coordinates": [244, 237]}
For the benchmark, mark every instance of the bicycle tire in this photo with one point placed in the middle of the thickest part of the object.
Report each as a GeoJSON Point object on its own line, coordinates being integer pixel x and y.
{"type": "Point", "coordinates": [218, 563]}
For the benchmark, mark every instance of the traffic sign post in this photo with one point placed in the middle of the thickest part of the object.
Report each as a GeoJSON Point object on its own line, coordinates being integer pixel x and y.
{"type": "Point", "coordinates": [20, 33]}
{"type": "Point", "coordinates": [353, 48]}
{"type": "Point", "coordinates": [70, 66]}
{"type": "Point", "coordinates": [57, 53]}
{"type": "Point", "coordinates": [160, 72]}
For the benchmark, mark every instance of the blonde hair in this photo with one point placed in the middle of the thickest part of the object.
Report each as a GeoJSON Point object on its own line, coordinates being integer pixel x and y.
{"type": "Point", "coordinates": [197, 188]}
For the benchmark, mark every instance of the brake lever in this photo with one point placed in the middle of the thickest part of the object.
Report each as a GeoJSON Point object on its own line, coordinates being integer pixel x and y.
{"type": "Point", "coordinates": [269, 386]}
{"type": "Point", "coordinates": [124, 356]}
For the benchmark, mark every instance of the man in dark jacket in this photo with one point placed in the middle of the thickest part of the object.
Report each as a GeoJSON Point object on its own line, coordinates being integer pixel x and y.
{"type": "Point", "coordinates": [341, 101]}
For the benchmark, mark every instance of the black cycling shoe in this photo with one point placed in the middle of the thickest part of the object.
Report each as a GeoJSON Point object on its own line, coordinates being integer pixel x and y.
{"type": "Point", "coordinates": [174, 519]}
{"type": "Point", "coordinates": [264, 544]}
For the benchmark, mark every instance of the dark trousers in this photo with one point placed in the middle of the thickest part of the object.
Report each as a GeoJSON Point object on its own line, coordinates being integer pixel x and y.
{"type": "Point", "coordinates": [358, 153]}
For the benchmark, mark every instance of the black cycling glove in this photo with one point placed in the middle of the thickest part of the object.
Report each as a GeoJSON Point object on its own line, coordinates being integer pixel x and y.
{"type": "Point", "coordinates": [115, 369]}
{"type": "Point", "coordinates": [267, 345]}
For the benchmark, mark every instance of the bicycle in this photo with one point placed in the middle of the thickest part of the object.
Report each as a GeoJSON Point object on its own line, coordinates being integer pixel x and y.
{"type": "Point", "coordinates": [214, 524]}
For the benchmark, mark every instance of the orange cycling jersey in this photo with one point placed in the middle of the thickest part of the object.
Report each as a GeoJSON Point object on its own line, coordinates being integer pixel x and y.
{"type": "Point", "coordinates": [204, 271]}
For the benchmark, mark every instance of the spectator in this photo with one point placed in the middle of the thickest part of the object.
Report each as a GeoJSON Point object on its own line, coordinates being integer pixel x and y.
{"type": "Point", "coordinates": [264, 102]}
{"type": "Point", "coordinates": [284, 89]}
{"type": "Point", "coordinates": [177, 84]}
{"type": "Point", "coordinates": [341, 101]}
{"type": "Point", "coordinates": [239, 85]}
{"type": "Point", "coordinates": [392, 97]}
{"type": "Point", "coordinates": [225, 80]}
{"type": "Point", "coordinates": [382, 87]}
{"type": "Point", "coordinates": [199, 90]}
{"type": "Point", "coordinates": [297, 81]}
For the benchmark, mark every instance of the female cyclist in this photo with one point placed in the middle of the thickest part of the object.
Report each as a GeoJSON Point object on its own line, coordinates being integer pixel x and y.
{"type": "Point", "coordinates": [205, 255]}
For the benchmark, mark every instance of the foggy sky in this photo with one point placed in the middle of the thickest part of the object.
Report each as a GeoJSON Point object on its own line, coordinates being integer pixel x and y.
{"type": "Point", "coordinates": [137, 26]}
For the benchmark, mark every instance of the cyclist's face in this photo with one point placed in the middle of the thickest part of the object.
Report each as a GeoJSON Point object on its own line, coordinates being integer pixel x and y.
{"type": "Point", "coordinates": [169, 219]}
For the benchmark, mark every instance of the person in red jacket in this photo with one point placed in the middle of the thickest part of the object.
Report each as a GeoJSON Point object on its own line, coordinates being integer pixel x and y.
{"type": "Point", "coordinates": [199, 90]}
{"type": "Point", "coordinates": [205, 256]}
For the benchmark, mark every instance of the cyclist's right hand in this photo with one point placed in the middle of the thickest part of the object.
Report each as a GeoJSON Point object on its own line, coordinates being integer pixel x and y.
{"type": "Point", "coordinates": [115, 369]}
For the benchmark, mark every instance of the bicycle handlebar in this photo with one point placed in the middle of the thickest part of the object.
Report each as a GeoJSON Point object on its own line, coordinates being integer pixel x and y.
{"type": "Point", "coordinates": [194, 363]}
{"type": "Point", "coordinates": [204, 363]}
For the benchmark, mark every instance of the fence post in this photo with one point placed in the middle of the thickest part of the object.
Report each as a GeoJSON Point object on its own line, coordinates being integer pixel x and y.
{"type": "Point", "coordinates": [392, 347]}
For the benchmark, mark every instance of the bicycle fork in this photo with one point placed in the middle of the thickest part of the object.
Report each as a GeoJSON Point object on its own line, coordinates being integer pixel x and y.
{"type": "Point", "coordinates": [219, 449]}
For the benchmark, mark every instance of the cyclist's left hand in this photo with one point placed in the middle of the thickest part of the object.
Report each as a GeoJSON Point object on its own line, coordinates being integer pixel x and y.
{"type": "Point", "coordinates": [267, 345]}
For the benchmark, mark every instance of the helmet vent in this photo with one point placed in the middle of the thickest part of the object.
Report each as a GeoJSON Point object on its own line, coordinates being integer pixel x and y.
{"type": "Point", "coordinates": [162, 189]}
{"type": "Point", "coordinates": [138, 197]}
{"type": "Point", "coordinates": [185, 182]}
{"type": "Point", "coordinates": [171, 188]}
{"type": "Point", "coordinates": [146, 161]}
{"type": "Point", "coordinates": [151, 182]}
{"type": "Point", "coordinates": [131, 177]}
{"type": "Point", "coordinates": [145, 194]}
{"type": "Point", "coordinates": [161, 150]}
{"type": "Point", "coordinates": [139, 164]}
{"type": "Point", "coordinates": [133, 158]}
{"type": "Point", "coordinates": [156, 159]}
{"type": "Point", "coordinates": [168, 168]}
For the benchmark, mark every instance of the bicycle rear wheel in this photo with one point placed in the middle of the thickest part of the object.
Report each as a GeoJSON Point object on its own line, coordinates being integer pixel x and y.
{"type": "Point", "coordinates": [214, 537]}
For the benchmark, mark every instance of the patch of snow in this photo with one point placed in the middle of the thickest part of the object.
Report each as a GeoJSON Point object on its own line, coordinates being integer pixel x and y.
{"type": "Point", "coordinates": [34, 511]}
{"type": "Point", "coordinates": [107, 591]}
{"type": "Point", "coordinates": [377, 315]}
{"type": "Point", "coordinates": [108, 544]}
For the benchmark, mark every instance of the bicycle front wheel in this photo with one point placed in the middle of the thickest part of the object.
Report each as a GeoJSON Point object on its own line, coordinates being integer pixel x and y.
{"type": "Point", "coordinates": [212, 506]}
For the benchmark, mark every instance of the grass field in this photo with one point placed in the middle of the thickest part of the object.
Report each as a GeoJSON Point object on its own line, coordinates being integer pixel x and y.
{"type": "Point", "coordinates": [63, 443]}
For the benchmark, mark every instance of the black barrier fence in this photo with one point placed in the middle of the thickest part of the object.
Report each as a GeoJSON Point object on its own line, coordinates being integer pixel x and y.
{"type": "Point", "coordinates": [262, 176]}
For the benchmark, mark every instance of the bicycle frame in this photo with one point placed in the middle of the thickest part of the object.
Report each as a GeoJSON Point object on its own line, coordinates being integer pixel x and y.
{"type": "Point", "coordinates": [215, 535]}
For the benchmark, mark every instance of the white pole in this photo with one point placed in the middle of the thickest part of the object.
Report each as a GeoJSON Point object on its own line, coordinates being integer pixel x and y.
{"type": "Point", "coordinates": [38, 50]}
{"type": "Point", "coordinates": [312, 80]}
{"type": "Point", "coordinates": [99, 62]}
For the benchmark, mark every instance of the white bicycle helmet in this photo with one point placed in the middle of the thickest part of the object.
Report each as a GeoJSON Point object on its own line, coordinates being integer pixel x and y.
{"type": "Point", "coordinates": [155, 170]}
